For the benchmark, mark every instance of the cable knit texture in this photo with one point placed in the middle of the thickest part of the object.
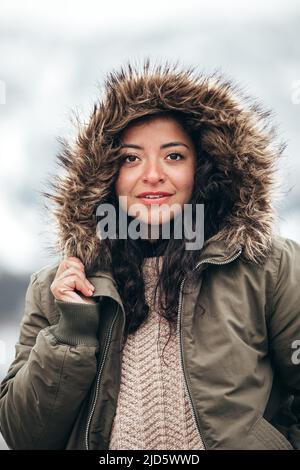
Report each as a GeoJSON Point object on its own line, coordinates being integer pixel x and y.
{"type": "Point", "coordinates": [153, 410]}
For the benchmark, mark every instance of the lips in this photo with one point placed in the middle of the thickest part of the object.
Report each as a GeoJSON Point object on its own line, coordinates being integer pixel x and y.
{"type": "Point", "coordinates": [154, 197]}
{"type": "Point", "coordinates": [154, 194]}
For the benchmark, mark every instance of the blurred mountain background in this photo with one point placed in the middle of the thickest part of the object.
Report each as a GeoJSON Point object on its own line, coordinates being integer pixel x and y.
{"type": "Point", "coordinates": [53, 58]}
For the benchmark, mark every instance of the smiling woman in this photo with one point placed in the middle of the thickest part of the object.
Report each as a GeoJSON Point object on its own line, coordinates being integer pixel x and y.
{"type": "Point", "coordinates": [146, 344]}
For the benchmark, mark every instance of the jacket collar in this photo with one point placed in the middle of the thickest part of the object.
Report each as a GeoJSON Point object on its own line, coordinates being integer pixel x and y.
{"type": "Point", "coordinates": [105, 286]}
{"type": "Point", "coordinates": [217, 251]}
{"type": "Point", "coordinates": [212, 252]}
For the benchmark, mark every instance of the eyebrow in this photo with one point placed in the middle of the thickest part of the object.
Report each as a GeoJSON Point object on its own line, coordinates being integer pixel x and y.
{"type": "Point", "coordinates": [169, 144]}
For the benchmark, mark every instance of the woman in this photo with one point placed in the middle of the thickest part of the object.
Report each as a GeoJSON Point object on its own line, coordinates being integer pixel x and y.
{"type": "Point", "coordinates": [133, 343]}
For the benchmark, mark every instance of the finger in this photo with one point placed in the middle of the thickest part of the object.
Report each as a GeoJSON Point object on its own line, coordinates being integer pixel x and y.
{"type": "Point", "coordinates": [69, 262]}
{"type": "Point", "coordinates": [73, 259]}
{"type": "Point", "coordinates": [72, 282]}
{"type": "Point", "coordinates": [74, 297]}
{"type": "Point", "coordinates": [75, 271]}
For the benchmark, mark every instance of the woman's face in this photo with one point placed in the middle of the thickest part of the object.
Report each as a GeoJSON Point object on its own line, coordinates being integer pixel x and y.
{"type": "Point", "coordinates": [158, 157]}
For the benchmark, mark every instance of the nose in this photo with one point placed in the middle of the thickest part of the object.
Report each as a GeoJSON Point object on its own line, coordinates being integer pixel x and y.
{"type": "Point", "coordinates": [153, 172]}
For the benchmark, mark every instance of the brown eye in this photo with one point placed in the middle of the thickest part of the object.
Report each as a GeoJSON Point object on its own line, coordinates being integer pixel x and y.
{"type": "Point", "coordinates": [176, 155]}
{"type": "Point", "coordinates": [129, 156]}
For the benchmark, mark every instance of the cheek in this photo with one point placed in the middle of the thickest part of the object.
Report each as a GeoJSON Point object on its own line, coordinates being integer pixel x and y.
{"type": "Point", "coordinates": [185, 180]}
{"type": "Point", "coordinates": [123, 183]}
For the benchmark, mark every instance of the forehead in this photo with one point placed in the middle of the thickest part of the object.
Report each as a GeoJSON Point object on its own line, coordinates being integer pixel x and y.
{"type": "Point", "coordinates": [159, 127]}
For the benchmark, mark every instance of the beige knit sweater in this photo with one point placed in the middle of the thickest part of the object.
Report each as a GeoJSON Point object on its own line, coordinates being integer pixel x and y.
{"type": "Point", "coordinates": [153, 411]}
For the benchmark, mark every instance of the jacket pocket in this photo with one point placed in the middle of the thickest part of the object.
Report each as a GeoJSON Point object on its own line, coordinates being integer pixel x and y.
{"type": "Point", "coordinates": [268, 437]}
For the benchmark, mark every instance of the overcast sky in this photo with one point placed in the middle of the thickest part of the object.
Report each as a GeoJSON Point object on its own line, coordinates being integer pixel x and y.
{"type": "Point", "coordinates": [53, 56]}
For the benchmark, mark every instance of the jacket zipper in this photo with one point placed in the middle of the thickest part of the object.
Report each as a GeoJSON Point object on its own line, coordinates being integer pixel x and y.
{"type": "Point", "coordinates": [98, 381]}
{"type": "Point", "coordinates": [179, 335]}
{"type": "Point", "coordinates": [181, 355]}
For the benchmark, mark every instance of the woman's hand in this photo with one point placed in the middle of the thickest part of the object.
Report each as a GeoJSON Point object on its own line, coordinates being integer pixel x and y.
{"type": "Point", "coordinates": [70, 277]}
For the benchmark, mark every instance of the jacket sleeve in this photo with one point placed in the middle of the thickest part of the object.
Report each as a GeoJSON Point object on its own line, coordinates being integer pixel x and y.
{"type": "Point", "coordinates": [285, 330]}
{"type": "Point", "coordinates": [51, 374]}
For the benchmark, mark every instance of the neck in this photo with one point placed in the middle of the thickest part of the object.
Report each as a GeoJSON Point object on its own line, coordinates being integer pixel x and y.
{"type": "Point", "coordinates": [152, 247]}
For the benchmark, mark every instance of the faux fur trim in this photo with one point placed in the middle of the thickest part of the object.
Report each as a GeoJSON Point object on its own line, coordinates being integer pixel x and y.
{"type": "Point", "coordinates": [235, 131]}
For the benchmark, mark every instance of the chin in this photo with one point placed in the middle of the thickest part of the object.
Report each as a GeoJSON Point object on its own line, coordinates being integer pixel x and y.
{"type": "Point", "coordinates": [161, 221]}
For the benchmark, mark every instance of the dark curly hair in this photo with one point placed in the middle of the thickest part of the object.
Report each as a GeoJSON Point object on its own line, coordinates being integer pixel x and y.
{"type": "Point", "coordinates": [127, 255]}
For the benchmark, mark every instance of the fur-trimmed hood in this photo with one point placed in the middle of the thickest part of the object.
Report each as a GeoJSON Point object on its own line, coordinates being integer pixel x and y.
{"type": "Point", "coordinates": [235, 131]}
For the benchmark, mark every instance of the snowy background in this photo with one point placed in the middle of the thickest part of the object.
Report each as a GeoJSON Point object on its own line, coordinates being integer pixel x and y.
{"type": "Point", "coordinates": [53, 57]}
